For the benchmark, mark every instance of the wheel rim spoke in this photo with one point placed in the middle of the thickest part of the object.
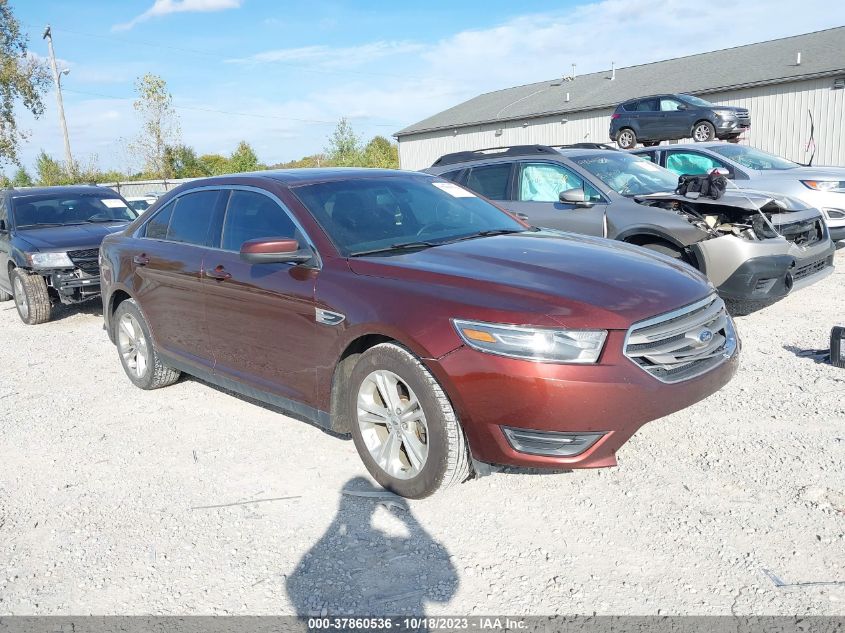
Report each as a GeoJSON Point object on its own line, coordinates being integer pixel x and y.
{"type": "Point", "coordinates": [132, 345]}
{"type": "Point", "coordinates": [393, 424]}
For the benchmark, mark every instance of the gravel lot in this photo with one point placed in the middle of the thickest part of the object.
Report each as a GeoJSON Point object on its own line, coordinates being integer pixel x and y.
{"type": "Point", "coordinates": [109, 498]}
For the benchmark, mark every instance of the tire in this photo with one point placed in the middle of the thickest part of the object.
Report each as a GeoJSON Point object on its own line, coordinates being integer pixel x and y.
{"type": "Point", "coordinates": [666, 248]}
{"type": "Point", "coordinates": [703, 131]}
{"type": "Point", "coordinates": [445, 461]}
{"type": "Point", "coordinates": [5, 296]}
{"type": "Point", "coordinates": [31, 298]}
{"type": "Point", "coordinates": [627, 138]}
{"type": "Point", "coordinates": [136, 350]}
{"type": "Point", "coordinates": [651, 143]}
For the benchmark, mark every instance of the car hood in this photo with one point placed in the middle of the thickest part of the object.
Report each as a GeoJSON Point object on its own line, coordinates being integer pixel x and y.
{"type": "Point", "coordinates": [55, 238]}
{"type": "Point", "coordinates": [818, 173]}
{"type": "Point", "coordinates": [572, 280]}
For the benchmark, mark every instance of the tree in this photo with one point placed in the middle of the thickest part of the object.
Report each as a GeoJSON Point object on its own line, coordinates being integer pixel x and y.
{"type": "Point", "coordinates": [243, 158]}
{"type": "Point", "coordinates": [214, 164]}
{"type": "Point", "coordinates": [22, 178]}
{"type": "Point", "coordinates": [23, 78]}
{"type": "Point", "coordinates": [49, 171]}
{"type": "Point", "coordinates": [159, 123]}
{"type": "Point", "coordinates": [181, 162]}
{"type": "Point", "coordinates": [380, 152]}
{"type": "Point", "coordinates": [344, 149]}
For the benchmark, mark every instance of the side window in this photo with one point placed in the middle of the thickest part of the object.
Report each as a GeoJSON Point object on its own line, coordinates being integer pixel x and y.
{"type": "Point", "coordinates": [649, 156]}
{"type": "Point", "coordinates": [490, 181]}
{"type": "Point", "coordinates": [647, 105]}
{"type": "Point", "coordinates": [669, 105]}
{"type": "Point", "coordinates": [631, 106]}
{"type": "Point", "coordinates": [543, 182]}
{"type": "Point", "coordinates": [691, 163]}
{"type": "Point", "coordinates": [4, 215]}
{"type": "Point", "coordinates": [191, 218]}
{"type": "Point", "coordinates": [252, 215]}
{"type": "Point", "coordinates": [454, 176]}
{"type": "Point", "coordinates": [156, 228]}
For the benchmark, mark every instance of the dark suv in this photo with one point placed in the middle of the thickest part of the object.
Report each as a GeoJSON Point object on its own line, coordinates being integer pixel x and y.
{"type": "Point", "coordinates": [49, 242]}
{"type": "Point", "coordinates": [649, 120]}
{"type": "Point", "coordinates": [405, 310]}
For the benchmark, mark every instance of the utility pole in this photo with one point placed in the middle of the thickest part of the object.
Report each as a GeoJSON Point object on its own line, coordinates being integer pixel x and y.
{"type": "Point", "coordinates": [57, 78]}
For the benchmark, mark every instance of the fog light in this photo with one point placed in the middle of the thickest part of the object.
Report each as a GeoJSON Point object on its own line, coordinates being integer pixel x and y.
{"type": "Point", "coordinates": [837, 346]}
{"type": "Point", "coordinates": [550, 443]}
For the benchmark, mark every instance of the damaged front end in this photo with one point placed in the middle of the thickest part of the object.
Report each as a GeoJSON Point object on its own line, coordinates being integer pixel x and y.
{"type": "Point", "coordinates": [754, 246]}
{"type": "Point", "coordinates": [78, 283]}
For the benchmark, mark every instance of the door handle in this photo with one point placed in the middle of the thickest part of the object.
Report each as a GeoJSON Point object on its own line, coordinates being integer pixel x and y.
{"type": "Point", "coordinates": [141, 260]}
{"type": "Point", "coordinates": [218, 273]}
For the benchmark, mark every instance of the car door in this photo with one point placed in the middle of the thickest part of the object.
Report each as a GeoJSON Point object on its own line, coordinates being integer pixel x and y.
{"type": "Point", "coordinates": [691, 162]}
{"type": "Point", "coordinates": [5, 245]}
{"type": "Point", "coordinates": [673, 118]}
{"type": "Point", "coordinates": [649, 119]}
{"type": "Point", "coordinates": [169, 262]}
{"type": "Point", "coordinates": [261, 317]}
{"type": "Point", "coordinates": [537, 195]}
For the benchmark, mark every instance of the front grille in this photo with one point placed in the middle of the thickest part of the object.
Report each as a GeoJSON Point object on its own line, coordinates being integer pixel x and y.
{"type": "Point", "coordinates": [807, 270]}
{"type": "Point", "coordinates": [803, 232]}
{"type": "Point", "coordinates": [86, 260]}
{"type": "Point", "coordinates": [683, 344]}
{"type": "Point", "coordinates": [743, 115]}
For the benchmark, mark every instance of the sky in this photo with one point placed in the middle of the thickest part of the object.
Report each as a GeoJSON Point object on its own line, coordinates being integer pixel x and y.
{"type": "Point", "coordinates": [280, 74]}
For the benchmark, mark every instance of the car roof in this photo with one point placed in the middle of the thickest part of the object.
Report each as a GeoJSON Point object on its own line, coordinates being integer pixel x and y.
{"type": "Point", "coordinates": [61, 190]}
{"type": "Point", "coordinates": [307, 175]}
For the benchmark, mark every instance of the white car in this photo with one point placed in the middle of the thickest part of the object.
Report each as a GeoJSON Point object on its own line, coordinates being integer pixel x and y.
{"type": "Point", "coordinates": [141, 203]}
{"type": "Point", "coordinates": [750, 168]}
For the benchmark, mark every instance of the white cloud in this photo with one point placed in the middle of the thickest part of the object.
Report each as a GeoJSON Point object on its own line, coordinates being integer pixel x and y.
{"type": "Point", "coordinates": [404, 81]}
{"type": "Point", "coordinates": [333, 57]}
{"type": "Point", "coordinates": [165, 7]}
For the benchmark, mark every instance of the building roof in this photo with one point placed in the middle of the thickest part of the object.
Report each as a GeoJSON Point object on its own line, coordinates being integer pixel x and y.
{"type": "Point", "coordinates": [763, 63]}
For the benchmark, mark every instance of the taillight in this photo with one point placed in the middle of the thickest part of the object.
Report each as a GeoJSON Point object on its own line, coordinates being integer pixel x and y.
{"type": "Point", "coordinates": [615, 115]}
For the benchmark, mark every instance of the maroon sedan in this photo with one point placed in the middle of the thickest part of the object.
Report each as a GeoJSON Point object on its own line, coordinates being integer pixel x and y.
{"type": "Point", "coordinates": [401, 308]}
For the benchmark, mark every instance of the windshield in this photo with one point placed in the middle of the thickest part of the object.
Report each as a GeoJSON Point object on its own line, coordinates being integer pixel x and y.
{"type": "Point", "coordinates": [753, 158]}
{"type": "Point", "coordinates": [375, 214]}
{"type": "Point", "coordinates": [696, 101]}
{"type": "Point", "coordinates": [62, 210]}
{"type": "Point", "coordinates": [628, 175]}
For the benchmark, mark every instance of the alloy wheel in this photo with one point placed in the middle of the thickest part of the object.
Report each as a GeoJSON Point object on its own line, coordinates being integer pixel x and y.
{"type": "Point", "coordinates": [392, 424]}
{"type": "Point", "coordinates": [20, 298]}
{"type": "Point", "coordinates": [702, 133]}
{"type": "Point", "coordinates": [626, 139]}
{"type": "Point", "coordinates": [132, 345]}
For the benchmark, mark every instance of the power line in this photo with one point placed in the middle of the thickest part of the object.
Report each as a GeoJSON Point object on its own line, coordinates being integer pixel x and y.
{"type": "Point", "coordinates": [229, 112]}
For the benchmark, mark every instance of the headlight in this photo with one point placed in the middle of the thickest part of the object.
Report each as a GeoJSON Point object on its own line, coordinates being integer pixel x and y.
{"type": "Point", "coordinates": [824, 185]}
{"type": "Point", "coordinates": [49, 260]}
{"type": "Point", "coordinates": [834, 214]}
{"type": "Point", "coordinates": [538, 344]}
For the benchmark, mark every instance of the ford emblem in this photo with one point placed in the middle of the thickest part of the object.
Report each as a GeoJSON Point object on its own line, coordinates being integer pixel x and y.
{"type": "Point", "coordinates": [705, 336]}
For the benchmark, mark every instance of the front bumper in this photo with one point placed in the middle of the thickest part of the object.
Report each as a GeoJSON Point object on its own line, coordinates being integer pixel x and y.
{"type": "Point", "coordinates": [614, 398]}
{"type": "Point", "coordinates": [764, 270]}
{"type": "Point", "coordinates": [731, 126]}
{"type": "Point", "coordinates": [73, 285]}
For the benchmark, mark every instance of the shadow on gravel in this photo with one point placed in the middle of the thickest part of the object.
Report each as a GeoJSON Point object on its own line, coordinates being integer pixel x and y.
{"type": "Point", "coordinates": [819, 356]}
{"type": "Point", "coordinates": [359, 569]}
{"type": "Point", "coordinates": [269, 407]}
{"type": "Point", "coordinates": [94, 307]}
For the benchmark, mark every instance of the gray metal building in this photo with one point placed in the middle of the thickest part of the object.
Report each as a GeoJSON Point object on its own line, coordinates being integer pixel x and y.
{"type": "Point", "coordinates": [780, 81]}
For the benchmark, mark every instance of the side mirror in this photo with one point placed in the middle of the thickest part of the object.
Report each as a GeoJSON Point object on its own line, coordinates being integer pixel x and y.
{"type": "Point", "coordinates": [720, 171]}
{"type": "Point", "coordinates": [271, 250]}
{"type": "Point", "coordinates": [576, 197]}
{"type": "Point", "coordinates": [683, 106]}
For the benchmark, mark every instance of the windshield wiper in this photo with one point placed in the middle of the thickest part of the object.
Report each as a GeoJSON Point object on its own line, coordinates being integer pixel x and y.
{"type": "Point", "coordinates": [489, 233]}
{"type": "Point", "coordinates": [397, 247]}
{"type": "Point", "coordinates": [106, 220]}
{"type": "Point", "coordinates": [41, 224]}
